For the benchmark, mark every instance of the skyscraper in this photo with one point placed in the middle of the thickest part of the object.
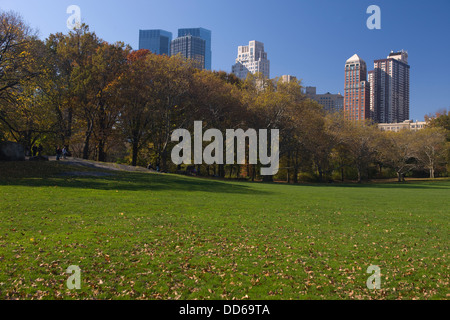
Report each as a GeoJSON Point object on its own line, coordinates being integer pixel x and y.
{"type": "Point", "coordinates": [251, 58]}
{"type": "Point", "coordinates": [157, 41]}
{"type": "Point", "coordinates": [190, 47]}
{"type": "Point", "coordinates": [204, 34]}
{"type": "Point", "coordinates": [370, 79]}
{"type": "Point", "coordinates": [390, 88]}
{"type": "Point", "coordinates": [357, 90]}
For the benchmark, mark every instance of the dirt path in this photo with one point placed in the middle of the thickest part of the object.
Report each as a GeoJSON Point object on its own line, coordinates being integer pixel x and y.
{"type": "Point", "coordinates": [100, 165]}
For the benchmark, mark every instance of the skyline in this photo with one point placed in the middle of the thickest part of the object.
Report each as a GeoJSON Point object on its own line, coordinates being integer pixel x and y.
{"type": "Point", "coordinates": [307, 39]}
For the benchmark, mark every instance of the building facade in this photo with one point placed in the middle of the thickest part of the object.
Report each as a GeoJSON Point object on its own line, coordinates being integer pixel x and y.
{"type": "Point", "coordinates": [288, 78]}
{"type": "Point", "coordinates": [190, 47]}
{"type": "Point", "coordinates": [157, 41]}
{"type": "Point", "coordinates": [251, 59]}
{"type": "Point", "coordinates": [390, 88]}
{"type": "Point", "coordinates": [371, 80]}
{"type": "Point", "coordinates": [330, 102]}
{"type": "Point", "coordinates": [405, 125]}
{"type": "Point", "coordinates": [357, 90]}
{"type": "Point", "coordinates": [204, 34]}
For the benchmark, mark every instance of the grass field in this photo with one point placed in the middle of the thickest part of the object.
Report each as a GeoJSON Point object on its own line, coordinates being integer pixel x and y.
{"type": "Point", "coordinates": [152, 236]}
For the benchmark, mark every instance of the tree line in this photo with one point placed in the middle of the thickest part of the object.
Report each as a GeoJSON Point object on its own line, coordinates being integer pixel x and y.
{"type": "Point", "coordinates": [110, 103]}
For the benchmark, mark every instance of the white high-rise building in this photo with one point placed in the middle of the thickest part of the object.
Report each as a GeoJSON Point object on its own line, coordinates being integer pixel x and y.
{"type": "Point", "coordinates": [251, 59]}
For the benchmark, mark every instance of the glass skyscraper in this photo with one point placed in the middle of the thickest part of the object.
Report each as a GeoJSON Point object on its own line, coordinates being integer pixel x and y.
{"type": "Point", "coordinates": [157, 41]}
{"type": "Point", "coordinates": [190, 47]}
{"type": "Point", "coordinates": [204, 34]}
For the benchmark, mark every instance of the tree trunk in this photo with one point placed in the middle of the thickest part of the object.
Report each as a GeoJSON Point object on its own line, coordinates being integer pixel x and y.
{"type": "Point", "coordinates": [134, 153]}
{"type": "Point", "coordinates": [295, 174]}
{"type": "Point", "coordinates": [288, 177]}
{"type": "Point", "coordinates": [320, 173]}
{"type": "Point", "coordinates": [359, 175]}
{"type": "Point", "coordinates": [221, 171]}
{"type": "Point", "coordinates": [86, 145]}
{"type": "Point", "coordinates": [101, 151]}
{"type": "Point", "coordinates": [69, 124]}
{"type": "Point", "coordinates": [164, 160]}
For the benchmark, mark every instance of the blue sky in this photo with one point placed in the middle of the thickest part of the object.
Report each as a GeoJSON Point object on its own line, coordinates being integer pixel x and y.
{"type": "Point", "coordinates": [309, 39]}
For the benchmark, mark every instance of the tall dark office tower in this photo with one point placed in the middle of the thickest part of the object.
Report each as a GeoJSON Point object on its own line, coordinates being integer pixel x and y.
{"type": "Point", "coordinates": [157, 41]}
{"type": "Point", "coordinates": [190, 47]}
{"type": "Point", "coordinates": [357, 90]}
{"type": "Point", "coordinates": [204, 34]}
{"type": "Point", "coordinates": [390, 88]}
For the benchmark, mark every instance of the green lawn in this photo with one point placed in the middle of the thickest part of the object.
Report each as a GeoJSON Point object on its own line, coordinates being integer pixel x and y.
{"type": "Point", "coordinates": [151, 236]}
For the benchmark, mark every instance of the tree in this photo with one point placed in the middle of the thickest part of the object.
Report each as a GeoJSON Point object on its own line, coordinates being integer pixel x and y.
{"type": "Point", "coordinates": [430, 144]}
{"type": "Point", "coordinates": [15, 53]}
{"type": "Point", "coordinates": [107, 64]}
{"type": "Point", "coordinates": [216, 102]}
{"type": "Point", "coordinates": [440, 119]}
{"type": "Point", "coordinates": [303, 132]}
{"type": "Point", "coordinates": [64, 86]}
{"type": "Point", "coordinates": [93, 81]}
{"type": "Point", "coordinates": [323, 141]}
{"type": "Point", "coordinates": [135, 92]}
{"type": "Point", "coordinates": [17, 67]}
{"type": "Point", "coordinates": [358, 141]}
{"type": "Point", "coordinates": [26, 117]}
{"type": "Point", "coordinates": [268, 106]}
{"type": "Point", "coordinates": [172, 88]}
{"type": "Point", "coordinates": [24, 113]}
{"type": "Point", "coordinates": [398, 150]}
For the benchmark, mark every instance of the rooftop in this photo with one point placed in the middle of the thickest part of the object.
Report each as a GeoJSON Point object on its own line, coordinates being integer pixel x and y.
{"type": "Point", "coordinates": [355, 58]}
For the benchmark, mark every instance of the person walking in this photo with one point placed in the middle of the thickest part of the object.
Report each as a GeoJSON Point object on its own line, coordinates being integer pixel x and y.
{"type": "Point", "coordinates": [58, 153]}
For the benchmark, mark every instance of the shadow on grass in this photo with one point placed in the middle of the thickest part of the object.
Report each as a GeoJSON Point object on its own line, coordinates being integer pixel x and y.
{"type": "Point", "coordinates": [50, 174]}
{"type": "Point", "coordinates": [85, 177]}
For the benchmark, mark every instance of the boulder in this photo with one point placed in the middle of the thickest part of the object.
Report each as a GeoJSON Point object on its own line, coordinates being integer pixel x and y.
{"type": "Point", "coordinates": [11, 151]}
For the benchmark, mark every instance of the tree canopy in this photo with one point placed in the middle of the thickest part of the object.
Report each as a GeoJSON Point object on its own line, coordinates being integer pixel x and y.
{"type": "Point", "coordinates": [110, 103]}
